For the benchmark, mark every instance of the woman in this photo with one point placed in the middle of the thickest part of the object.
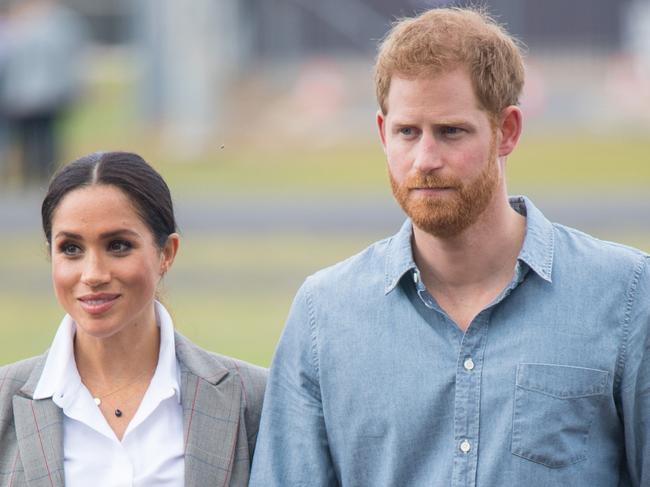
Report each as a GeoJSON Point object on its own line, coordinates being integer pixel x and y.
{"type": "Point", "coordinates": [120, 398]}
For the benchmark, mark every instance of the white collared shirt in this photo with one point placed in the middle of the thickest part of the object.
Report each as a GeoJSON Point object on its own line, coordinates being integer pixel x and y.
{"type": "Point", "coordinates": [151, 451]}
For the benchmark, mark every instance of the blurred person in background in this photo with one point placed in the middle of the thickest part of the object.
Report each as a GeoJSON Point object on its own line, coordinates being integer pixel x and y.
{"type": "Point", "coordinates": [40, 79]}
{"type": "Point", "coordinates": [120, 398]}
{"type": "Point", "coordinates": [482, 344]}
{"type": "Point", "coordinates": [3, 124]}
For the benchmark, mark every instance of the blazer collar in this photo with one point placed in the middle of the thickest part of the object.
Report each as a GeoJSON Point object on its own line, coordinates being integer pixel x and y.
{"type": "Point", "coordinates": [30, 385]}
{"type": "Point", "coordinates": [39, 433]}
{"type": "Point", "coordinates": [211, 401]}
{"type": "Point", "coordinates": [196, 361]}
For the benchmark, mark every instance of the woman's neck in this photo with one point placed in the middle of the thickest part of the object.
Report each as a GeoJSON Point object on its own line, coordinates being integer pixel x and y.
{"type": "Point", "coordinates": [111, 361]}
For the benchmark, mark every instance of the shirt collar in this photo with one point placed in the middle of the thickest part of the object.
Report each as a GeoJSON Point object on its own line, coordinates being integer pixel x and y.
{"type": "Point", "coordinates": [539, 243]}
{"type": "Point", "coordinates": [60, 379]}
{"type": "Point", "coordinates": [537, 250]}
{"type": "Point", "coordinates": [400, 257]}
{"type": "Point", "coordinates": [167, 375]}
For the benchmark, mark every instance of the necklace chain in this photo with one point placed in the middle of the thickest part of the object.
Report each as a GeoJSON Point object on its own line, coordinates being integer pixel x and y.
{"type": "Point", "coordinates": [98, 398]}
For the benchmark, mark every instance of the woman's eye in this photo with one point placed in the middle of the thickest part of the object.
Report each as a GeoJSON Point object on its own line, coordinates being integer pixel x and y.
{"type": "Point", "coordinates": [119, 246]}
{"type": "Point", "coordinates": [69, 249]}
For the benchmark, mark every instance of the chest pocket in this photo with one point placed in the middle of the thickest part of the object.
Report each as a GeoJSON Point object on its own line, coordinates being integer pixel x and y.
{"type": "Point", "coordinates": [553, 411]}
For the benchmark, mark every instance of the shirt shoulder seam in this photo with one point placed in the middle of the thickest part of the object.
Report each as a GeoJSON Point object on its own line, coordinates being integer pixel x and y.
{"type": "Point", "coordinates": [631, 296]}
{"type": "Point", "coordinates": [313, 329]}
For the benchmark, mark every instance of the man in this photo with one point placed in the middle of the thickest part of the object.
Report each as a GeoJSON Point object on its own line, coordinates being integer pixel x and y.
{"type": "Point", "coordinates": [482, 344]}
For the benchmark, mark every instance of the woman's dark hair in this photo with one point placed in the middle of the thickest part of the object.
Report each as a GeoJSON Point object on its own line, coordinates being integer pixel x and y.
{"type": "Point", "coordinates": [129, 172]}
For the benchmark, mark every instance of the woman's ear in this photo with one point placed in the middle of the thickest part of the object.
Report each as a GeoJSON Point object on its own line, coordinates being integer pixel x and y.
{"type": "Point", "coordinates": [168, 252]}
{"type": "Point", "coordinates": [509, 126]}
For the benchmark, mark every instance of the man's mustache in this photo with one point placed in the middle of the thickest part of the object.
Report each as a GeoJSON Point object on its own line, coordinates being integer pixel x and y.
{"type": "Point", "coordinates": [431, 181]}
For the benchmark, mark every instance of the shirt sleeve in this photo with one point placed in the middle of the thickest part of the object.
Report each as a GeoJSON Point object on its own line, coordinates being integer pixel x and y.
{"type": "Point", "coordinates": [292, 445]}
{"type": "Point", "coordinates": [635, 384]}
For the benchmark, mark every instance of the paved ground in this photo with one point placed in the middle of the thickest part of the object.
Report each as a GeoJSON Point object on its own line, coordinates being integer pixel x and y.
{"type": "Point", "coordinates": [629, 213]}
{"type": "Point", "coordinates": [369, 218]}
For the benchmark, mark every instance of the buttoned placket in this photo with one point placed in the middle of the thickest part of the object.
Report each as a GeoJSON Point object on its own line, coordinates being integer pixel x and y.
{"type": "Point", "coordinates": [467, 399]}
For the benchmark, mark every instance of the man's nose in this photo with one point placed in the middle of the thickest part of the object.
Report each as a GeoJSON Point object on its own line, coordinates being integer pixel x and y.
{"type": "Point", "coordinates": [428, 155]}
{"type": "Point", "coordinates": [95, 270]}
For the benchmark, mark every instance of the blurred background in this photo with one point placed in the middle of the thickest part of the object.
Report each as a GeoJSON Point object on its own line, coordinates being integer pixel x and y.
{"type": "Point", "coordinates": [260, 115]}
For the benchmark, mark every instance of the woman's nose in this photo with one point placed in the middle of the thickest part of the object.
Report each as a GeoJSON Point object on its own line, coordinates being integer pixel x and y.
{"type": "Point", "coordinates": [95, 271]}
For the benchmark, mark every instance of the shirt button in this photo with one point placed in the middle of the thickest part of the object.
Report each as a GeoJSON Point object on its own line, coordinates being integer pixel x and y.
{"type": "Point", "coordinates": [468, 364]}
{"type": "Point", "coordinates": [465, 447]}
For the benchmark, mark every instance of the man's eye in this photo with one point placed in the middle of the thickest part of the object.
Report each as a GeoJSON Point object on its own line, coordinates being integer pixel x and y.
{"type": "Point", "coordinates": [119, 246]}
{"type": "Point", "coordinates": [408, 131]}
{"type": "Point", "coordinates": [451, 130]}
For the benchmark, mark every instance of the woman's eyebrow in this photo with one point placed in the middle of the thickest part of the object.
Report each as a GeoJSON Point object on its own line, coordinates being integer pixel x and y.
{"type": "Point", "coordinates": [68, 235]}
{"type": "Point", "coordinates": [103, 236]}
{"type": "Point", "coordinates": [117, 233]}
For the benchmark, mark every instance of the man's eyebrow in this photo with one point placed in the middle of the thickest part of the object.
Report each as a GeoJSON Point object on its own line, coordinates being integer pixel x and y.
{"type": "Point", "coordinates": [453, 122]}
{"type": "Point", "coordinates": [444, 122]}
{"type": "Point", "coordinates": [436, 123]}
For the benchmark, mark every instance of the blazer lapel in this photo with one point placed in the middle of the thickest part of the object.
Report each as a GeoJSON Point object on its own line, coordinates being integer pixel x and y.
{"type": "Point", "coordinates": [211, 398]}
{"type": "Point", "coordinates": [39, 433]}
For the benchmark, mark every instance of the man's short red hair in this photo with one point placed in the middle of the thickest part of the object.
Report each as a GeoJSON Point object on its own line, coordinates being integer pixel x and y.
{"type": "Point", "coordinates": [448, 38]}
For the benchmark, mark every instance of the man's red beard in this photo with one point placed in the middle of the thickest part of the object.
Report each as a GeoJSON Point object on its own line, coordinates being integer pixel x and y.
{"type": "Point", "coordinates": [447, 215]}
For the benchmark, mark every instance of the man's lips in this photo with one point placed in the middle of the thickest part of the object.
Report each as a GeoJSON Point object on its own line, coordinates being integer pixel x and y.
{"type": "Point", "coordinates": [429, 189]}
{"type": "Point", "coordinates": [98, 303]}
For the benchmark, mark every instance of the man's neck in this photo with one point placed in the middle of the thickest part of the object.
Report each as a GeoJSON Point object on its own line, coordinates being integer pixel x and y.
{"type": "Point", "coordinates": [466, 272]}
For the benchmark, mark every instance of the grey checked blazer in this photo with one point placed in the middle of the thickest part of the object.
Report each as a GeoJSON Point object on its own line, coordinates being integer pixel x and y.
{"type": "Point", "coordinates": [222, 402]}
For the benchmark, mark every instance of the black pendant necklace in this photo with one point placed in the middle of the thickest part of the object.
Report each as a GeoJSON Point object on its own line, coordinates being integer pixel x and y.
{"type": "Point", "coordinates": [98, 399]}
{"type": "Point", "coordinates": [118, 412]}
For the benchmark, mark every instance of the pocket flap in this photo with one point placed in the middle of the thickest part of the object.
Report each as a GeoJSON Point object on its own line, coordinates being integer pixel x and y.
{"type": "Point", "coordinates": [563, 381]}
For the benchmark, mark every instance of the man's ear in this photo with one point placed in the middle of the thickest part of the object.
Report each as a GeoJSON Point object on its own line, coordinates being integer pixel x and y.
{"type": "Point", "coordinates": [381, 126]}
{"type": "Point", "coordinates": [509, 126]}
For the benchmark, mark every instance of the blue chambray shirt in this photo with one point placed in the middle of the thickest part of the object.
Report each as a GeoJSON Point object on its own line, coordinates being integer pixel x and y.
{"type": "Point", "coordinates": [372, 384]}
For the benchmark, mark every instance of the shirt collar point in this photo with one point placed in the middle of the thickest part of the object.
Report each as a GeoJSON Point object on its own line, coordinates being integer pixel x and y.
{"type": "Point", "coordinates": [545, 275]}
{"type": "Point", "coordinates": [539, 242]}
{"type": "Point", "coordinates": [399, 258]}
{"type": "Point", "coordinates": [389, 287]}
{"type": "Point", "coordinates": [40, 395]}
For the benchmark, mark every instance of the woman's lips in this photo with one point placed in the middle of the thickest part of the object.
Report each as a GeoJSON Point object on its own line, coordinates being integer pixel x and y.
{"type": "Point", "coordinates": [96, 304]}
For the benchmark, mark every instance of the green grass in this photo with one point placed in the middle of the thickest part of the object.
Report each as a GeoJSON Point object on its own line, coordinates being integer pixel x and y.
{"type": "Point", "coordinates": [246, 326]}
{"type": "Point", "coordinates": [232, 293]}
{"type": "Point", "coordinates": [228, 294]}
{"type": "Point", "coordinates": [568, 160]}
{"type": "Point", "coordinates": [581, 162]}
{"type": "Point", "coordinates": [28, 324]}
{"type": "Point", "coordinates": [543, 162]}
